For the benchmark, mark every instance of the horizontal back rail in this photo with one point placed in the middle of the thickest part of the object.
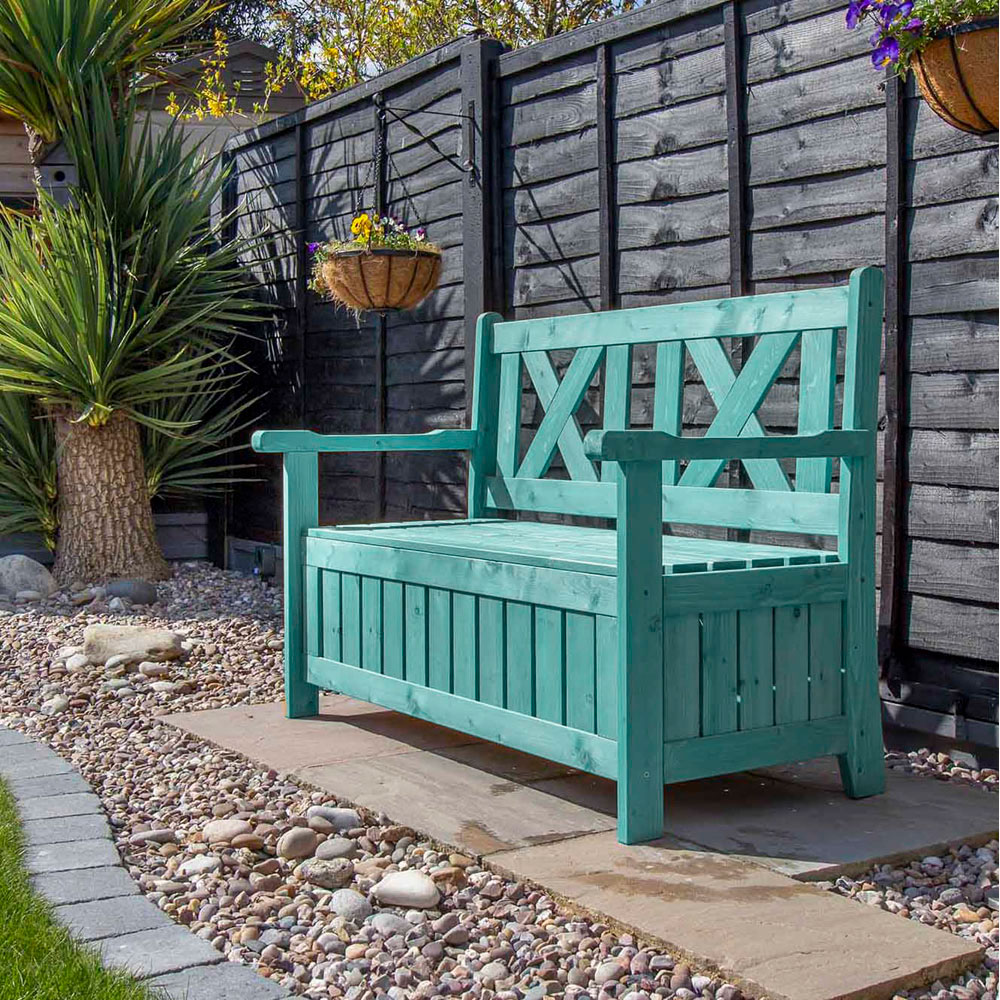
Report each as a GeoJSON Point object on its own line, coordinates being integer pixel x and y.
{"type": "Point", "coordinates": [756, 510]}
{"type": "Point", "coordinates": [751, 316]}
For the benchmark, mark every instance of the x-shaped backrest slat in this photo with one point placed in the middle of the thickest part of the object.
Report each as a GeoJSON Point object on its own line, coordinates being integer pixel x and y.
{"type": "Point", "coordinates": [737, 398]}
{"type": "Point", "coordinates": [559, 427]}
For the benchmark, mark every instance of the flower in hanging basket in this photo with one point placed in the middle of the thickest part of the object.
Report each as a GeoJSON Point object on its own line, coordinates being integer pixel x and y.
{"type": "Point", "coordinates": [951, 45]}
{"type": "Point", "coordinates": [383, 266]}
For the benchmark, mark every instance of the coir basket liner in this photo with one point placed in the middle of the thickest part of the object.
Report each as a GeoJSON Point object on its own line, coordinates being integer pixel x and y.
{"type": "Point", "coordinates": [381, 279]}
{"type": "Point", "coordinates": [957, 74]}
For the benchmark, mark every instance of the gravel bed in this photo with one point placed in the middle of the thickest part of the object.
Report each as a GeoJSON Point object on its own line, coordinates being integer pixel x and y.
{"type": "Point", "coordinates": [325, 900]}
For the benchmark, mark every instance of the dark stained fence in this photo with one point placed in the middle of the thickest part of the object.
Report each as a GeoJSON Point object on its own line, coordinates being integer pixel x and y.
{"type": "Point", "coordinates": [689, 150]}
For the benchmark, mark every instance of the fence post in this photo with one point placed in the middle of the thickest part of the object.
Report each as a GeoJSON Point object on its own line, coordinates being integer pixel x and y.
{"type": "Point", "coordinates": [378, 205]}
{"type": "Point", "coordinates": [301, 267]}
{"type": "Point", "coordinates": [606, 178]}
{"type": "Point", "coordinates": [478, 143]}
{"type": "Point", "coordinates": [894, 462]}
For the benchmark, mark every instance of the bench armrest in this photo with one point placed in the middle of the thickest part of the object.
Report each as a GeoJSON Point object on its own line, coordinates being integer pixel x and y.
{"type": "Point", "coordinates": [645, 446]}
{"type": "Point", "coordinates": [310, 441]}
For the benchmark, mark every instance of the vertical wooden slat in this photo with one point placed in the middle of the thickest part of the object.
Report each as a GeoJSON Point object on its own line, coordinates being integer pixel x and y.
{"type": "Point", "coordinates": [371, 624]}
{"type": "Point", "coordinates": [617, 396]}
{"type": "Point", "coordinates": [300, 511]}
{"type": "Point", "coordinates": [681, 677]}
{"type": "Point", "coordinates": [301, 267]}
{"type": "Point", "coordinates": [415, 610]}
{"type": "Point", "coordinates": [736, 162]}
{"type": "Point", "coordinates": [439, 638]}
{"type": "Point", "coordinates": [607, 676]}
{"type": "Point", "coordinates": [756, 636]}
{"type": "Point", "coordinates": [825, 658]}
{"type": "Point", "coordinates": [485, 414]}
{"type": "Point", "coordinates": [719, 672]}
{"type": "Point", "coordinates": [477, 217]}
{"type": "Point", "coordinates": [549, 664]}
{"type": "Point", "coordinates": [608, 250]}
{"type": "Point", "coordinates": [817, 391]}
{"type": "Point", "coordinates": [380, 403]}
{"type": "Point", "coordinates": [350, 616]}
{"type": "Point", "coordinates": [508, 415]}
{"type": "Point", "coordinates": [791, 664]}
{"type": "Point", "coordinates": [492, 641]}
{"type": "Point", "coordinates": [393, 649]}
{"type": "Point", "coordinates": [668, 398]}
{"type": "Point", "coordinates": [465, 657]}
{"type": "Point", "coordinates": [894, 470]}
{"type": "Point", "coordinates": [520, 658]}
{"type": "Point", "coordinates": [581, 675]}
{"type": "Point", "coordinates": [331, 615]}
{"type": "Point", "coordinates": [314, 611]}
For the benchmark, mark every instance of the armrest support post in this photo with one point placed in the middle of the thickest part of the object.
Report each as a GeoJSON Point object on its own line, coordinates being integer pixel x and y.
{"type": "Point", "coordinates": [640, 652]}
{"type": "Point", "coordinates": [301, 512]}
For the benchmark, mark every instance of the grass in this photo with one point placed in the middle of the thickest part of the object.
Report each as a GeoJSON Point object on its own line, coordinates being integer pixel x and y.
{"type": "Point", "coordinates": [40, 961]}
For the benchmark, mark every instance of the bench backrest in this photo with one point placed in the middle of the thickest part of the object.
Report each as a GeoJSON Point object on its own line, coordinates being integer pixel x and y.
{"type": "Point", "coordinates": [511, 472]}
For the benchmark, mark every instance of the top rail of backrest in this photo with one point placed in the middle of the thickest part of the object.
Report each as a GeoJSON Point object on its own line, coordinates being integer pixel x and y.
{"type": "Point", "coordinates": [750, 316]}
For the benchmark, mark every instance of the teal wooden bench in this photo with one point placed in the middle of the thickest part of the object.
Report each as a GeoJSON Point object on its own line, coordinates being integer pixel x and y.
{"type": "Point", "coordinates": [644, 657]}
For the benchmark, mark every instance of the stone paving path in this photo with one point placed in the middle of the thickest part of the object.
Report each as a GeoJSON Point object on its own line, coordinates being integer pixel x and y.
{"type": "Point", "coordinates": [71, 856]}
{"type": "Point", "coordinates": [733, 908]}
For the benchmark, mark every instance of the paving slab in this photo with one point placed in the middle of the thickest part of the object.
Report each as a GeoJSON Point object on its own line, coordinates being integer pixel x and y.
{"type": "Point", "coordinates": [36, 764]}
{"type": "Point", "coordinates": [51, 806]}
{"type": "Point", "coordinates": [93, 853]}
{"type": "Point", "coordinates": [85, 884]}
{"type": "Point", "coordinates": [228, 981]}
{"type": "Point", "coordinates": [106, 918]}
{"type": "Point", "coordinates": [453, 803]}
{"type": "Point", "coordinates": [763, 930]}
{"type": "Point", "coordinates": [10, 737]}
{"type": "Point", "coordinates": [797, 820]}
{"type": "Point", "coordinates": [344, 730]}
{"type": "Point", "coordinates": [65, 829]}
{"type": "Point", "coordinates": [47, 784]}
{"type": "Point", "coordinates": [155, 952]}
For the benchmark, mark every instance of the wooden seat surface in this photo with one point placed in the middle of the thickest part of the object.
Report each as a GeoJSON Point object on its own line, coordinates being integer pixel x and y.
{"type": "Point", "coordinates": [563, 546]}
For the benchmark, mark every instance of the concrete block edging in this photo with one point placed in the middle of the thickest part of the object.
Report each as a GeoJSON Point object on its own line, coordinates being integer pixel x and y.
{"type": "Point", "coordinates": [92, 894]}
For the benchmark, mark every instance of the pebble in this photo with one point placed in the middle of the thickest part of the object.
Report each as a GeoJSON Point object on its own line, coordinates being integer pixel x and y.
{"type": "Point", "coordinates": [327, 874]}
{"type": "Point", "coordinates": [409, 888]}
{"type": "Point", "coordinates": [350, 905]}
{"type": "Point", "coordinates": [199, 865]}
{"type": "Point", "coordinates": [221, 831]}
{"type": "Point", "coordinates": [337, 847]}
{"type": "Point", "coordinates": [299, 842]}
{"type": "Point", "coordinates": [340, 819]}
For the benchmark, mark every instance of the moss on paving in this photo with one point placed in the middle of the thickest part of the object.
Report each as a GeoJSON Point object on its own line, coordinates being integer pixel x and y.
{"type": "Point", "coordinates": [39, 960]}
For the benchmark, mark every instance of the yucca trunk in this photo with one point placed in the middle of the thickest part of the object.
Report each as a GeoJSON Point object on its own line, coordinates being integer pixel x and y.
{"type": "Point", "coordinates": [105, 521]}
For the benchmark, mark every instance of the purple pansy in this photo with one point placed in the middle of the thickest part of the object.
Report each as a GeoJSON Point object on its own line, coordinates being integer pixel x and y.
{"type": "Point", "coordinates": [312, 247]}
{"type": "Point", "coordinates": [887, 52]}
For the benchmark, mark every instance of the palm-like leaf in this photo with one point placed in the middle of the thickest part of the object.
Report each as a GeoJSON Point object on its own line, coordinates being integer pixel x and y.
{"type": "Point", "coordinates": [48, 46]}
{"type": "Point", "coordinates": [27, 469]}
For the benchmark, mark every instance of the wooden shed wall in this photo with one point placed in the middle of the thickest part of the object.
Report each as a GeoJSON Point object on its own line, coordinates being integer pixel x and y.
{"type": "Point", "coordinates": [689, 150]}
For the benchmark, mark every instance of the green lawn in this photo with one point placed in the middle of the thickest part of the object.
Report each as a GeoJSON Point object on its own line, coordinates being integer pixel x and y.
{"type": "Point", "coordinates": [39, 960]}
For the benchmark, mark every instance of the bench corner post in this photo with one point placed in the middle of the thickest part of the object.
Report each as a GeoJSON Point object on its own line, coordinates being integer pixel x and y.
{"type": "Point", "coordinates": [640, 653]}
{"type": "Point", "coordinates": [301, 511]}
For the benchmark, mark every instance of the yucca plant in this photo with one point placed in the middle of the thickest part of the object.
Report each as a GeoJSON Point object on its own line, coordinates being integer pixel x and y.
{"type": "Point", "coordinates": [112, 307]}
{"type": "Point", "coordinates": [48, 46]}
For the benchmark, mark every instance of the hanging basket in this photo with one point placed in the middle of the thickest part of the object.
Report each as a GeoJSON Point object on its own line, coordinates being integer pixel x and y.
{"type": "Point", "coordinates": [381, 279]}
{"type": "Point", "coordinates": [957, 74]}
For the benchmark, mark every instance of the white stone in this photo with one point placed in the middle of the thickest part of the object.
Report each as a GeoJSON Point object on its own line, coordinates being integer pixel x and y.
{"type": "Point", "coordinates": [164, 687]}
{"type": "Point", "coordinates": [409, 888]}
{"type": "Point", "coordinates": [201, 864]}
{"type": "Point", "coordinates": [150, 669]}
{"type": "Point", "coordinates": [137, 643]}
{"type": "Point", "coordinates": [350, 905]}
{"type": "Point", "coordinates": [19, 573]}
{"type": "Point", "coordinates": [342, 819]}
{"type": "Point", "coordinates": [77, 662]}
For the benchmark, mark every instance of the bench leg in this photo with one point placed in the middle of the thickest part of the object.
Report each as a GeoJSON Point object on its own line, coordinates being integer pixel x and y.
{"type": "Point", "coordinates": [862, 767]}
{"type": "Point", "coordinates": [301, 511]}
{"type": "Point", "coordinates": [640, 654]}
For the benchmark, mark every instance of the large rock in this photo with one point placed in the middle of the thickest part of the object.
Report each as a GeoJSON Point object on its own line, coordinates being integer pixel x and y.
{"type": "Point", "coordinates": [133, 642]}
{"type": "Point", "coordinates": [327, 874]}
{"type": "Point", "coordinates": [19, 573]}
{"type": "Point", "coordinates": [299, 842]}
{"type": "Point", "coordinates": [408, 889]}
{"type": "Point", "coordinates": [350, 905]}
{"type": "Point", "coordinates": [136, 591]}
{"type": "Point", "coordinates": [222, 831]}
{"type": "Point", "coordinates": [340, 819]}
